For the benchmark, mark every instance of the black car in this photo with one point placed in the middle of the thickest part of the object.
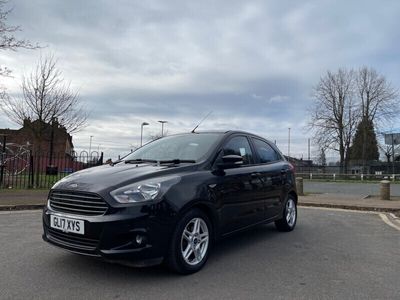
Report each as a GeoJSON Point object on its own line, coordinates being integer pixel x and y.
{"type": "Point", "coordinates": [171, 199]}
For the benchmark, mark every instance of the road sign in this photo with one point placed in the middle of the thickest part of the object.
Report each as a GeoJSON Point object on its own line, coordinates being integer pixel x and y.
{"type": "Point", "coordinates": [392, 138]}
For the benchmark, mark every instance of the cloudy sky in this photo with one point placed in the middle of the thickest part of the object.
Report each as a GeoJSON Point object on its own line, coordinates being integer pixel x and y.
{"type": "Point", "coordinates": [252, 63]}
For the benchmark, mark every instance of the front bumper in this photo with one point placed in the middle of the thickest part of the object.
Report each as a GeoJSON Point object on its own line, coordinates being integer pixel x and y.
{"type": "Point", "coordinates": [113, 236]}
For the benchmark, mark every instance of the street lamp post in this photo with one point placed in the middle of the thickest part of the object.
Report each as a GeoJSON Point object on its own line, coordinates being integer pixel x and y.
{"type": "Point", "coordinates": [141, 132]}
{"type": "Point", "coordinates": [90, 144]}
{"type": "Point", "coordinates": [162, 127]}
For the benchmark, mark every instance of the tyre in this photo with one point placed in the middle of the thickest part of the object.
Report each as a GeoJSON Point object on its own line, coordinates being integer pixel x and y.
{"type": "Point", "coordinates": [289, 219]}
{"type": "Point", "coordinates": [190, 243]}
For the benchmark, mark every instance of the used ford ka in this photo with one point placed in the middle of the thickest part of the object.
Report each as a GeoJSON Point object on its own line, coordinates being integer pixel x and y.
{"type": "Point", "coordinates": [172, 199]}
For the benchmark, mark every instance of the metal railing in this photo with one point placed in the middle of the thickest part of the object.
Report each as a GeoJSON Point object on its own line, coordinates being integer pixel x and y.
{"type": "Point", "coordinates": [349, 177]}
{"type": "Point", "coordinates": [24, 169]}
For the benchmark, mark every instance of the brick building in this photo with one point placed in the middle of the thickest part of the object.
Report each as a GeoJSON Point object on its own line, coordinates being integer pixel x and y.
{"type": "Point", "coordinates": [55, 138]}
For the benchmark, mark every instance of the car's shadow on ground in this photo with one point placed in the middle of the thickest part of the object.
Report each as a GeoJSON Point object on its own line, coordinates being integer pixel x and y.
{"type": "Point", "coordinates": [242, 240]}
{"type": "Point", "coordinates": [222, 252]}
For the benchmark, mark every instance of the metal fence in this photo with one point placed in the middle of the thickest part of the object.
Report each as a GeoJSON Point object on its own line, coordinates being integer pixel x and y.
{"type": "Point", "coordinates": [24, 169]}
{"type": "Point", "coordinates": [21, 169]}
{"type": "Point", "coordinates": [354, 171]}
{"type": "Point", "coordinates": [349, 177]}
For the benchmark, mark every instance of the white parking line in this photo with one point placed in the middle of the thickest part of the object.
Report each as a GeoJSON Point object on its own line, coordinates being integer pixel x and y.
{"type": "Point", "coordinates": [342, 209]}
{"type": "Point", "coordinates": [383, 216]}
{"type": "Point", "coordinates": [390, 223]}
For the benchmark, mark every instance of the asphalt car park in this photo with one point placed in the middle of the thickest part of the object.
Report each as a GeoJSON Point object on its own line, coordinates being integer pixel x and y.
{"type": "Point", "coordinates": [331, 255]}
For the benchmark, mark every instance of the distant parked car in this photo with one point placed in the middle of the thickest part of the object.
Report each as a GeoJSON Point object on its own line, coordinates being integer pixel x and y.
{"type": "Point", "coordinates": [171, 199]}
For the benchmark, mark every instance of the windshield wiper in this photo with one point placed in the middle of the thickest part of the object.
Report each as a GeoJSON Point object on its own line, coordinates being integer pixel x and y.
{"type": "Point", "coordinates": [172, 161]}
{"type": "Point", "coordinates": [140, 160]}
{"type": "Point", "coordinates": [176, 161]}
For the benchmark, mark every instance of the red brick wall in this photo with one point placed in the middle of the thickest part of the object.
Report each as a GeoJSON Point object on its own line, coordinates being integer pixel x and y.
{"type": "Point", "coordinates": [62, 142]}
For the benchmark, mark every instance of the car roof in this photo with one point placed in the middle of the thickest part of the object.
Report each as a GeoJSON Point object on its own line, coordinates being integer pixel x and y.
{"type": "Point", "coordinates": [223, 132]}
{"type": "Point", "coordinates": [215, 132]}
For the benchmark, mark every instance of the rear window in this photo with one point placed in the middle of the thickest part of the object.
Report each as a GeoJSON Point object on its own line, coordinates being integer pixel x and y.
{"type": "Point", "coordinates": [265, 152]}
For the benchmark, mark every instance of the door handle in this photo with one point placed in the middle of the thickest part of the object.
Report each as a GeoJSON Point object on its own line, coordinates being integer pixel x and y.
{"type": "Point", "coordinates": [255, 175]}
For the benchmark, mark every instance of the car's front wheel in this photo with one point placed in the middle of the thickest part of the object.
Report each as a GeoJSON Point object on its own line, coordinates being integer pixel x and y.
{"type": "Point", "coordinates": [289, 218]}
{"type": "Point", "coordinates": [190, 243]}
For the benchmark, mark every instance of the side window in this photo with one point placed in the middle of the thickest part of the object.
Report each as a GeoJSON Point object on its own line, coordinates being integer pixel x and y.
{"type": "Point", "coordinates": [266, 153]}
{"type": "Point", "coordinates": [239, 145]}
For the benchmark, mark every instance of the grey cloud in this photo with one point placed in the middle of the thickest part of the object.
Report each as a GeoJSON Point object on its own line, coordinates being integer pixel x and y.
{"type": "Point", "coordinates": [253, 63]}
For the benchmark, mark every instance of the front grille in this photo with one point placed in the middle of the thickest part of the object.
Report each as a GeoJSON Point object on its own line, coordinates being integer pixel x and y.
{"type": "Point", "coordinates": [72, 241]}
{"type": "Point", "coordinates": [77, 203]}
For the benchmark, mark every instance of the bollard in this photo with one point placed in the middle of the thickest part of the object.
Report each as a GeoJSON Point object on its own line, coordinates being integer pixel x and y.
{"type": "Point", "coordinates": [299, 186]}
{"type": "Point", "coordinates": [385, 190]}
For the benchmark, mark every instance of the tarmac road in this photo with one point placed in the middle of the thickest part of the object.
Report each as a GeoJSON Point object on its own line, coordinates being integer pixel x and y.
{"type": "Point", "coordinates": [330, 255]}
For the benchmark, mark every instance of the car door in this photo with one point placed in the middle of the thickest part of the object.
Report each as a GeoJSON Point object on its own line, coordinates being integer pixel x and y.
{"type": "Point", "coordinates": [236, 188]}
{"type": "Point", "coordinates": [271, 169]}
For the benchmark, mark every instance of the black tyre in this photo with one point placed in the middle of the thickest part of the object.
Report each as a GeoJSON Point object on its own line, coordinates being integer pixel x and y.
{"type": "Point", "coordinates": [289, 218]}
{"type": "Point", "coordinates": [190, 243]}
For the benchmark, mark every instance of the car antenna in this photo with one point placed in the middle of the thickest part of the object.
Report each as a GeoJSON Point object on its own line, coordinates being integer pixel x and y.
{"type": "Point", "coordinates": [201, 121]}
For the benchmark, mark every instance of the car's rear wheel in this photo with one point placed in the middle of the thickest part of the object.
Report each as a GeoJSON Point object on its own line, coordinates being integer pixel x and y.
{"type": "Point", "coordinates": [190, 243]}
{"type": "Point", "coordinates": [289, 218]}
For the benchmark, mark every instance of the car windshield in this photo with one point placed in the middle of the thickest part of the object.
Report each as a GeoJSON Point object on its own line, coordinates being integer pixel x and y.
{"type": "Point", "coordinates": [186, 147]}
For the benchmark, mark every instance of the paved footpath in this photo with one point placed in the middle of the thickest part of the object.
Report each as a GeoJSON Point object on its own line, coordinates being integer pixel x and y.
{"type": "Point", "coordinates": [354, 202]}
{"type": "Point", "coordinates": [22, 199]}
{"type": "Point", "coordinates": [349, 188]}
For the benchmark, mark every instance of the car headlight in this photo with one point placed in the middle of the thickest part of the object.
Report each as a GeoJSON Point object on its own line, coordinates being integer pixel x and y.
{"type": "Point", "coordinates": [144, 190]}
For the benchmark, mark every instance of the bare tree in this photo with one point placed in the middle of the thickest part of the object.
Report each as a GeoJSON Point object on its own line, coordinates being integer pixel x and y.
{"type": "Point", "coordinates": [8, 41]}
{"type": "Point", "coordinates": [334, 115]}
{"type": "Point", "coordinates": [46, 97]}
{"type": "Point", "coordinates": [156, 136]}
{"type": "Point", "coordinates": [386, 150]}
{"type": "Point", "coordinates": [378, 101]}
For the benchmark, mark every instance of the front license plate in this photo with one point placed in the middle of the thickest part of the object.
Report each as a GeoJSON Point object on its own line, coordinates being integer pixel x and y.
{"type": "Point", "coordinates": [67, 224]}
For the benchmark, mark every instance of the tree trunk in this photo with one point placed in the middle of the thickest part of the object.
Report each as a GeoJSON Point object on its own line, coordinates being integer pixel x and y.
{"type": "Point", "coordinates": [364, 146]}
{"type": "Point", "coordinates": [342, 159]}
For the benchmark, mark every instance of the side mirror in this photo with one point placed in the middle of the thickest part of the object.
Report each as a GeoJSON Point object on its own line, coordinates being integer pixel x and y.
{"type": "Point", "coordinates": [230, 161]}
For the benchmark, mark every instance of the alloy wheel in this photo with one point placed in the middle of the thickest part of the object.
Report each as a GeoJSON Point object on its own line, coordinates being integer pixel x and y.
{"type": "Point", "coordinates": [290, 212]}
{"type": "Point", "coordinates": [194, 241]}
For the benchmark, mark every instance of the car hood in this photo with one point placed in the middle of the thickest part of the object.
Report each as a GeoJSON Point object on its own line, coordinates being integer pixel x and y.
{"type": "Point", "coordinates": [109, 177]}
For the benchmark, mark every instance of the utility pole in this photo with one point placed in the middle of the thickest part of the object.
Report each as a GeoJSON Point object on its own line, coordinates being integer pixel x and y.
{"type": "Point", "coordinates": [393, 154]}
{"type": "Point", "coordinates": [288, 143]}
{"type": "Point", "coordinates": [309, 156]}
